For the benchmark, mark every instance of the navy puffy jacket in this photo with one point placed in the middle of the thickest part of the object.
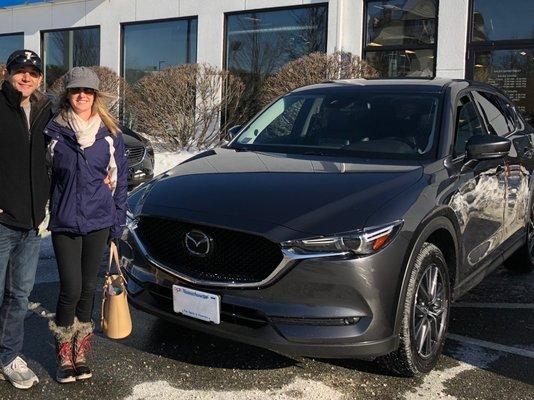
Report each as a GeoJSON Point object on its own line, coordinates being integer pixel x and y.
{"type": "Point", "coordinates": [81, 202]}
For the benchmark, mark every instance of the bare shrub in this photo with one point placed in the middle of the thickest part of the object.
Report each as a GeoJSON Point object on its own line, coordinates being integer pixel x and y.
{"type": "Point", "coordinates": [181, 106]}
{"type": "Point", "coordinates": [312, 69]}
{"type": "Point", "coordinates": [110, 84]}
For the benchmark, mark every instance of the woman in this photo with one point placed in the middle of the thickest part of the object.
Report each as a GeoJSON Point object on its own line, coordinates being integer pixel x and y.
{"type": "Point", "coordinates": [87, 210]}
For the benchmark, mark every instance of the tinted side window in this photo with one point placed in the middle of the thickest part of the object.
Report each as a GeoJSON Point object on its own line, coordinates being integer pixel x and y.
{"type": "Point", "coordinates": [493, 113]}
{"type": "Point", "coordinates": [511, 113]}
{"type": "Point", "coordinates": [467, 123]}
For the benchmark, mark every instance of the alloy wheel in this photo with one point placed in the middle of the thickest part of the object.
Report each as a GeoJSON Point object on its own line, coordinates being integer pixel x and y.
{"type": "Point", "coordinates": [429, 312]}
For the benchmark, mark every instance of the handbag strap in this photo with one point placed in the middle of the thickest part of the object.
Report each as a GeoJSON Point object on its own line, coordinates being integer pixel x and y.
{"type": "Point", "coordinates": [114, 257]}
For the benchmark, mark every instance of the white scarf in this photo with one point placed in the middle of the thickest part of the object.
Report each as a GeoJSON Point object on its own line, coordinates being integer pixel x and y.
{"type": "Point", "coordinates": [85, 130]}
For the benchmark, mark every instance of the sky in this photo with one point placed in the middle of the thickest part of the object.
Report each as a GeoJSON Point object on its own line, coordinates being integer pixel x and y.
{"type": "Point", "coordinates": [7, 3]}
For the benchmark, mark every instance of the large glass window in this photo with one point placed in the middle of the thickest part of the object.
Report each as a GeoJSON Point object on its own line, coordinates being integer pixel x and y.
{"type": "Point", "coordinates": [501, 49]}
{"type": "Point", "coordinates": [502, 20]}
{"type": "Point", "coordinates": [400, 38]}
{"type": "Point", "coordinates": [10, 43]}
{"type": "Point", "coordinates": [65, 49]}
{"type": "Point", "coordinates": [149, 47]}
{"type": "Point", "coordinates": [259, 43]}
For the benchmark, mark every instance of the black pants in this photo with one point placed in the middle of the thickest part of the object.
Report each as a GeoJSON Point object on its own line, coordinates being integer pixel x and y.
{"type": "Point", "coordinates": [78, 259]}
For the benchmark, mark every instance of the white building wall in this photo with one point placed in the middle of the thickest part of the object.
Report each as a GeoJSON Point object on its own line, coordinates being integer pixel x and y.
{"type": "Point", "coordinates": [345, 24]}
{"type": "Point", "coordinates": [452, 38]}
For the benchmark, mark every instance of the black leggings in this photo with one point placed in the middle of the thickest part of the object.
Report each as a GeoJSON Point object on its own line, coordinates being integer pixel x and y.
{"type": "Point", "coordinates": [78, 259]}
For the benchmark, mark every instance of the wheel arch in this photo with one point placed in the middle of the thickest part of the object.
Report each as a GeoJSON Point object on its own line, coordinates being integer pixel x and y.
{"type": "Point", "coordinates": [440, 228]}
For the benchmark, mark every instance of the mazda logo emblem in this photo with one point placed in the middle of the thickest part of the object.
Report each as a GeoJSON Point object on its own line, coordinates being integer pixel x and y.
{"type": "Point", "coordinates": [198, 243]}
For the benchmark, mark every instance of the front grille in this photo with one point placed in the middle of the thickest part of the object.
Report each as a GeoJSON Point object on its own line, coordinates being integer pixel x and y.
{"type": "Point", "coordinates": [135, 155]}
{"type": "Point", "coordinates": [236, 257]}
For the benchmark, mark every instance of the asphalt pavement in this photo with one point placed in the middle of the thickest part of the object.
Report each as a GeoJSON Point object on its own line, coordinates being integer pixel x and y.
{"type": "Point", "coordinates": [489, 354]}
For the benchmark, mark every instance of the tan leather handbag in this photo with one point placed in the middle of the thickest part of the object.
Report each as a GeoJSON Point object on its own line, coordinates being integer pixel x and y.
{"type": "Point", "coordinates": [115, 319]}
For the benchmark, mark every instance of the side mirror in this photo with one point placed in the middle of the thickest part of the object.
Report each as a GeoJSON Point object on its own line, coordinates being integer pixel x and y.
{"type": "Point", "coordinates": [485, 147]}
{"type": "Point", "coordinates": [233, 131]}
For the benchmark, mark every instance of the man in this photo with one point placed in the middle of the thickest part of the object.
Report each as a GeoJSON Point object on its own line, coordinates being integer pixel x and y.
{"type": "Point", "coordinates": [24, 190]}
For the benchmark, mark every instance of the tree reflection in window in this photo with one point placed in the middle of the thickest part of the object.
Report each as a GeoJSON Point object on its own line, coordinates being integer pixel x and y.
{"type": "Point", "coordinates": [260, 43]}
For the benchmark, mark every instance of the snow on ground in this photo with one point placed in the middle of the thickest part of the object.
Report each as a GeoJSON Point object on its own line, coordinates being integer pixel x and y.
{"type": "Point", "coordinates": [166, 160]}
{"type": "Point", "coordinates": [300, 389]}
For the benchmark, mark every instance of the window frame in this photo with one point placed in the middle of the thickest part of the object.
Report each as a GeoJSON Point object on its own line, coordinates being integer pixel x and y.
{"type": "Point", "coordinates": [266, 10]}
{"type": "Point", "coordinates": [147, 22]}
{"type": "Point", "coordinates": [368, 49]}
{"type": "Point", "coordinates": [466, 92]}
{"type": "Point", "coordinates": [77, 28]}
{"type": "Point", "coordinates": [226, 15]}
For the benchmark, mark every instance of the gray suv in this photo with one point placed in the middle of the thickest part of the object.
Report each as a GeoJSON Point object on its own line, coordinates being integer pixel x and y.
{"type": "Point", "coordinates": [342, 221]}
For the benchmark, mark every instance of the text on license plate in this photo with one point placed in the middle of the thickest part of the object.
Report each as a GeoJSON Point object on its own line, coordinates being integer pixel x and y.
{"type": "Point", "coordinates": [196, 304]}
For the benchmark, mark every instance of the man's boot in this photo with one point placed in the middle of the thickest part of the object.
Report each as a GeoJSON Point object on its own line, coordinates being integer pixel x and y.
{"type": "Point", "coordinates": [64, 337]}
{"type": "Point", "coordinates": [82, 345]}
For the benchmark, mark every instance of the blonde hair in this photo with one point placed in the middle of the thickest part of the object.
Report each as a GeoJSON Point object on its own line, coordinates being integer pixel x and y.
{"type": "Point", "coordinates": [99, 107]}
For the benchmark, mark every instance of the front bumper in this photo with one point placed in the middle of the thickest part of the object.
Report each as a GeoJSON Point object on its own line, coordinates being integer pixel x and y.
{"type": "Point", "coordinates": [326, 308]}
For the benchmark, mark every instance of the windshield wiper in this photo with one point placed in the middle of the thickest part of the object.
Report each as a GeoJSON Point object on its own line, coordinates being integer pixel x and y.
{"type": "Point", "coordinates": [240, 149]}
{"type": "Point", "coordinates": [315, 153]}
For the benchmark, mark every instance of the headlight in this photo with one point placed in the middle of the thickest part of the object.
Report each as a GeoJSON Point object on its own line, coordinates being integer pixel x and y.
{"type": "Point", "coordinates": [365, 241]}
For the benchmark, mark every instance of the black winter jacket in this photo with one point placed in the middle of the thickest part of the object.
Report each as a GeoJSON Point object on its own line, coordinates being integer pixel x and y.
{"type": "Point", "coordinates": [24, 180]}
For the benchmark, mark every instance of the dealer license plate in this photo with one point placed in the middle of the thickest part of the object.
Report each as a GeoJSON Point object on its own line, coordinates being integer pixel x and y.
{"type": "Point", "coordinates": [196, 304]}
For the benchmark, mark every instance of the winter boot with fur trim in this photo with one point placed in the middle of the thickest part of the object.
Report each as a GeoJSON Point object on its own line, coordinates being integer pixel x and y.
{"type": "Point", "coordinates": [82, 345]}
{"type": "Point", "coordinates": [64, 337]}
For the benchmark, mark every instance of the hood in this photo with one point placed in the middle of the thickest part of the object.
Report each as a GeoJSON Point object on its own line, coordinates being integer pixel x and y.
{"type": "Point", "coordinates": [130, 141]}
{"type": "Point", "coordinates": [268, 193]}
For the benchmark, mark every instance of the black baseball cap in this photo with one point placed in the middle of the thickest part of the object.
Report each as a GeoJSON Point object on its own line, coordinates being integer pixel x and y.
{"type": "Point", "coordinates": [24, 58]}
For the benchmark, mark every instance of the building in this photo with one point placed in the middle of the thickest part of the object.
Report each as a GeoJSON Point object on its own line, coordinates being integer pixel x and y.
{"type": "Point", "coordinates": [491, 40]}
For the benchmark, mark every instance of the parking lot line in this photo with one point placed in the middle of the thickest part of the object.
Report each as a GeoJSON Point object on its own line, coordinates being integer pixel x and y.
{"type": "Point", "coordinates": [528, 306]}
{"type": "Point", "coordinates": [492, 346]}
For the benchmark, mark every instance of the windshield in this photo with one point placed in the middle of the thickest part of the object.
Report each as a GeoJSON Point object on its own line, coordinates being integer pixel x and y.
{"type": "Point", "coordinates": [375, 125]}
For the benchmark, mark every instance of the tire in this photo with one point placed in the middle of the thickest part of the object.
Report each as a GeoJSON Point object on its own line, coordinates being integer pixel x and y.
{"type": "Point", "coordinates": [522, 261]}
{"type": "Point", "coordinates": [419, 352]}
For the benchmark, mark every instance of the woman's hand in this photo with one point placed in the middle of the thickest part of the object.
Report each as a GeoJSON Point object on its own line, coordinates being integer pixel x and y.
{"type": "Point", "coordinates": [109, 182]}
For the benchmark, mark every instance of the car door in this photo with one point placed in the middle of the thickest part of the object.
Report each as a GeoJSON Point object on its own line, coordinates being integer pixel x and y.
{"type": "Point", "coordinates": [479, 199]}
{"type": "Point", "coordinates": [499, 120]}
